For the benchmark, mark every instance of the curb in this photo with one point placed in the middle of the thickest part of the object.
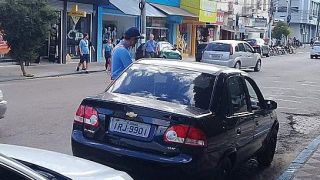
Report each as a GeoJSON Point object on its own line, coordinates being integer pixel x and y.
{"type": "Point", "coordinates": [300, 160]}
{"type": "Point", "coordinates": [54, 75]}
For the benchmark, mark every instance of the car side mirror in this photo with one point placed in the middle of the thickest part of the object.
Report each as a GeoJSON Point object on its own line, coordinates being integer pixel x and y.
{"type": "Point", "coordinates": [271, 105]}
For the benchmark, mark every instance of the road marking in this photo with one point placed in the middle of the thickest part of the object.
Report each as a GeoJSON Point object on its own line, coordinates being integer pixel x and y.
{"type": "Point", "coordinates": [310, 85]}
{"type": "Point", "coordinates": [288, 108]}
{"type": "Point", "coordinates": [288, 100]}
{"type": "Point", "coordinates": [297, 97]}
{"type": "Point", "coordinates": [279, 88]}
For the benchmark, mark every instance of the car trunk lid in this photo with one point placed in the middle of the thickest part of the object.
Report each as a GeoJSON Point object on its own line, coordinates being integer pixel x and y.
{"type": "Point", "coordinates": [132, 122]}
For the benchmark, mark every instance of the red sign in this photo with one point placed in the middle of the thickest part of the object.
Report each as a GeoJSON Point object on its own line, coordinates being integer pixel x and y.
{"type": "Point", "coordinates": [220, 15]}
{"type": "Point", "coordinates": [4, 48]}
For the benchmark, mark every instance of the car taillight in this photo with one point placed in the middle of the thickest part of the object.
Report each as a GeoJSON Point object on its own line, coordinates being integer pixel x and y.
{"type": "Point", "coordinates": [87, 115]}
{"type": "Point", "coordinates": [183, 134]}
{"type": "Point", "coordinates": [231, 50]}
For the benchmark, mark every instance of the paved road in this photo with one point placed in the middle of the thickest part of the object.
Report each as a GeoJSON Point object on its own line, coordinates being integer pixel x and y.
{"type": "Point", "coordinates": [40, 111]}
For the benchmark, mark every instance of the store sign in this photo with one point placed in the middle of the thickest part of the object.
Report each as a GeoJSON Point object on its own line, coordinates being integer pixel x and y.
{"type": "Point", "coordinates": [220, 16]}
{"type": "Point", "coordinates": [260, 22]}
{"type": "Point", "coordinates": [76, 14]}
{"type": "Point", "coordinates": [208, 11]}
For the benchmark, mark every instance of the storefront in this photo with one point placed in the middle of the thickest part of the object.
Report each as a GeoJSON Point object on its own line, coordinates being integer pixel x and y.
{"type": "Point", "coordinates": [158, 27]}
{"type": "Point", "coordinates": [74, 19]}
{"type": "Point", "coordinates": [174, 22]}
{"type": "Point", "coordinates": [117, 17]}
{"type": "Point", "coordinates": [194, 30]}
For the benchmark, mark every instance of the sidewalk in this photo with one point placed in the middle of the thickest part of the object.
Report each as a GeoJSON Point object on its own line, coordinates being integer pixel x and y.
{"type": "Point", "coordinates": [10, 72]}
{"type": "Point", "coordinates": [306, 165]}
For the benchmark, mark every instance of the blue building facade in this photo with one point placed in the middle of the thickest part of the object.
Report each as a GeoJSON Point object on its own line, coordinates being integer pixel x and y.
{"type": "Point", "coordinates": [172, 20]}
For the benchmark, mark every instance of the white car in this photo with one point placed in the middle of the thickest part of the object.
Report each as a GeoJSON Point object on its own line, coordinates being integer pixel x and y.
{"type": "Point", "coordinates": [17, 162]}
{"type": "Point", "coordinates": [3, 105]}
{"type": "Point", "coordinates": [315, 50]}
{"type": "Point", "coordinates": [232, 53]}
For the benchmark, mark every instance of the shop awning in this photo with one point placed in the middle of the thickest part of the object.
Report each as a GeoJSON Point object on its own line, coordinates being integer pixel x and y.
{"type": "Point", "coordinates": [227, 28]}
{"type": "Point", "coordinates": [131, 7]}
{"type": "Point", "coordinates": [173, 11]}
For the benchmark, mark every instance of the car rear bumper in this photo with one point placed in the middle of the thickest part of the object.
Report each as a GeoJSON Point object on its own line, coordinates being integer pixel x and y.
{"type": "Point", "coordinates": [79, 140]}
{"type": "Point", "coordinates": [228, 63]}
{"type": "Point", "coordinates": [130, 160]}
{"type": "Point", "coordinates": [315, 53]}
{"type": "Point", "coordinates": [3, 108]}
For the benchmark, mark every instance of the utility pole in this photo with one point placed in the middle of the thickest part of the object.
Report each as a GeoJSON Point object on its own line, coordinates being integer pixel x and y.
{"type": "Point", "coordinates": [318, 22]}
{"type": "Point", "coordinates": [271, 12]}
{"type": "Point", "coordinates": [143, 17]}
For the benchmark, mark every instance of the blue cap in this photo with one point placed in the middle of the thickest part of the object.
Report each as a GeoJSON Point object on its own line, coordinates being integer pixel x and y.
{"type": "Point", "coordinates": [133, 32]}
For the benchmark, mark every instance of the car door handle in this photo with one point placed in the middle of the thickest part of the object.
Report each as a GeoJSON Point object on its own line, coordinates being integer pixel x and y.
{"type": "Point", "coordinates": [238, 131]}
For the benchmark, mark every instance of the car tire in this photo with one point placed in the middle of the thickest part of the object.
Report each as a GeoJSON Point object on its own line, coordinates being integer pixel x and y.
{"type": "Point", "coordinates": [257, 68]}
{"type": "Point", "coordinates": [180, 57]}
{"type": "Point", "coordinates": [311, 57]}
{"type": "Point", "coordinates": [266, 153]}
{"type": "Point", "coordinates": [164, 57]}
{"type": "Point", "coordinates": [267, 55]}
{"type": "Point", "coordinates": [237, 65]}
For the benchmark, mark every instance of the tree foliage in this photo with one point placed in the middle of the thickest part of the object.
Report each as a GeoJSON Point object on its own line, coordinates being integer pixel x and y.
{"type": "Point", "coordinates": [26, 24]}
{"type": "Point", "coordinates": [280, 29]}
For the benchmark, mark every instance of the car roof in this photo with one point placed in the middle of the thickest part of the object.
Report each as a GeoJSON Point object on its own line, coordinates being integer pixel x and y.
{"type": "Point", "coordinates": [193, 66]}
{"type": "Point", "coordinates": [229, 41]}
{"type": "Point", "coordinates": [69, 166]}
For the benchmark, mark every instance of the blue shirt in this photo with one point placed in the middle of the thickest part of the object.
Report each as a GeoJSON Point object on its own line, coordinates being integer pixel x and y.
{"type": "Point", "coordinates": [108, 47]}
{"type": "Point", "coordinates": [84, 46]}
{"type": "Point", "coordinates": [151, 46]}
{"type": "Point", "coordinates": [120, 59]}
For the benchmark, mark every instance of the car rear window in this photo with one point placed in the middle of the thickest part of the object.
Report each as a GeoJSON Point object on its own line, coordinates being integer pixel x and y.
{"type": "Point", "coordinates": [174, 85]}
{"type": "Point", "coordinates": [316, 44]}
{"type": "Point", "coordinates": [201, 46]}
{"type": "Point", "coordinates": [218, 47]}
{"type": "Point", "coordinates": [252, 42]}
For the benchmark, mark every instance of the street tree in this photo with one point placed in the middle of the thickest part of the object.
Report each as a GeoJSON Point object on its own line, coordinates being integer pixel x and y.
{"type": "Point", "coordinates": [26, 25]}
{"type": "Point", "coordinates": [281, 29]}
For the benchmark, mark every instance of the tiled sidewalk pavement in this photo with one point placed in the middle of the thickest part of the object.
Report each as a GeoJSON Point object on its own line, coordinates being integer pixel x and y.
{"type": "Point", "coordinates": [311, 169]}
{"type": "Point", "coordinates": [306, 166]}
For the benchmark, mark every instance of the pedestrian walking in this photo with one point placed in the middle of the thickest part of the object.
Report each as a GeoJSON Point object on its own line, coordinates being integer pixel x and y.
{"type": "Point", "coordinates": [84, 52]}
{"type": "Point", "coordinates": [311, 42]}
{"type": "Point", "coordinates": [107, 54]}
{"type": "Point", "coordinates": [121, 58]}
{"type": "Point", "coordinates": [150, 47]}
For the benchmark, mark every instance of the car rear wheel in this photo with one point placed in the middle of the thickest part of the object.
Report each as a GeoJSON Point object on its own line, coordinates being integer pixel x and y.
{"type": "Point", "coordinates": [237, 65]}
{"type": "Point", "coordinates": [257, 68]}
{"type": "Point", "coordinates": [180, 57]}
{"type": "Point", "coordinates": [266, 153]}
{"type": "Point", "coordinates": [267, 55]}
{"type": "Point", "coordinates": [311, 57]}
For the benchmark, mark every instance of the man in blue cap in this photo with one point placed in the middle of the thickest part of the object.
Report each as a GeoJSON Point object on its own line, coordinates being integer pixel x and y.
{"type": "Point", "coordinates": [121, 57]}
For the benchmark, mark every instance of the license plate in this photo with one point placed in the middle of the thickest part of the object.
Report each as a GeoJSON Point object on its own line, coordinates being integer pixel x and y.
{"type": "Point", "coordinates": [215, 56]}
{"type": "Point", "coordinates": [129, 127]}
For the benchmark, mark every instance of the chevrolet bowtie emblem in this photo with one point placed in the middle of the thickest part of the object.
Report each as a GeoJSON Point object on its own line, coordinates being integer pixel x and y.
{"type": "Point", "coordinates": [131, 114]}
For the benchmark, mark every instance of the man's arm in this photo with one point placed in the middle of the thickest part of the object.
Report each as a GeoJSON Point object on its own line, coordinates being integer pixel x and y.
{"type": "Point", "coordinates": [80, 49]}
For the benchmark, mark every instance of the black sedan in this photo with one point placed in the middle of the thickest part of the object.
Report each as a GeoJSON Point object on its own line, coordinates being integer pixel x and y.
{"type": "Point", "coordinates": [192, 119]}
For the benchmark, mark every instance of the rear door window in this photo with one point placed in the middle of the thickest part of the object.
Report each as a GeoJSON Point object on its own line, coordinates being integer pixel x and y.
{"type": "Point", "coordinates": [241, 47]}
{"type": "Point", "coordinates": [219, 47]}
